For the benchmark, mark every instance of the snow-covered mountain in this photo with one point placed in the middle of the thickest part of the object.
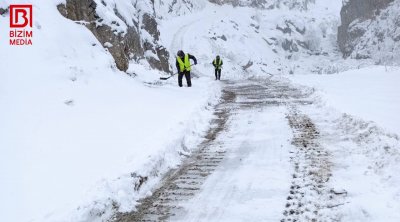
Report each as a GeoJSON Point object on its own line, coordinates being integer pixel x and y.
{"type": "Point", "coordinates": [371, 30]}
{"type": "Point", "coordinates": [279, 36]}
{"type": "Point", "coordinates": [131, 31]}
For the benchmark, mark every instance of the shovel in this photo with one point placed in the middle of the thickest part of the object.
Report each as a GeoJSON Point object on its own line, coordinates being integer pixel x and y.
{"type": "Point", "coordinates": [165, 78]}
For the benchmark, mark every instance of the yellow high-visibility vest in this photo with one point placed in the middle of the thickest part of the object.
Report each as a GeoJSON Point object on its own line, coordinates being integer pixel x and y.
{"type": "Point", "coordinates": [184, 65]}
{"type": "Point", "coordinates": [218, 66]}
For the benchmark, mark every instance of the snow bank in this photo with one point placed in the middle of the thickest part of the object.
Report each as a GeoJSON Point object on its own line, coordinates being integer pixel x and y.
{"type": "Point", "coordinates": [71, 122]}
{"type": "Point", "coordinates": [370, 93]}
{"type": "Point", "coordinates": [365, 165]}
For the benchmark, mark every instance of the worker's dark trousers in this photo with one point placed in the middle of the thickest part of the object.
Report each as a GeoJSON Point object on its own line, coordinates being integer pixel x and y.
{"type": "Point", "coordinates": [187, 76]}
{"type": "Point", "coordinates": [217, 74]}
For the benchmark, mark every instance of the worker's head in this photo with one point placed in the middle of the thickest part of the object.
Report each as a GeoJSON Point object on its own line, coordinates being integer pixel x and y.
{"type": "Point", "coordinates": [217, 56]}
{"type": "Point", "coordinates": [180, 53]}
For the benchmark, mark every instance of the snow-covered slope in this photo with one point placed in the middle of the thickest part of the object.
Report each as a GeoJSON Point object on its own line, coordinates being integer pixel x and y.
{"type": "Point", "coordinates": [270, 37]}
{"type": "Point", "coordinates": [365, 157]}
{"type": "Point", "coordinates": [254, 41]}
{"type": "Point", "coordinates": [357, 113]}
{"type": "Point", "coordinates": [76, 131]}
{"type": "Point", "coordinates": [370, 93]}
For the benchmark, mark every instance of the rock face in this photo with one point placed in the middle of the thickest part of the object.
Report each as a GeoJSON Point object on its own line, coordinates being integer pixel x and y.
{"type": "Point", "coordinates": [370, 29]}
{"type": "Point", "coordinates": [127, 38]}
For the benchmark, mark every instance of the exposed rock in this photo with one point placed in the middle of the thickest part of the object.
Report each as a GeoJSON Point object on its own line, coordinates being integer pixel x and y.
{"type": "Point", "coordinates": [171, 8]}
{"type": "Point", "coordinates": [288, 28]}
{"type": "Point", "coordinates": [303, 44]}
{"type": "Point", "coordinates": [162, 63]}
{"type": "Point", "coordinates": [150, 24]}
{"type": "Point", "coordinates": [257, 27]}
{"type": "Point", "coordinates": [285, 30]}
{"type": "Point", "coordinates": [248, 65]}
{"type": "Point", "coordinates": [223, 37]}
{"type": "Point", "coordinates": [269, 43]}
{"type": "Point", "coordinates": [290, 45]}
{"type": "Point", "coordinates": [297, 28]}
{"type": "Point", "coordinates": [352, 13]}
{"type": "Point", "coordinates": [123, 45]}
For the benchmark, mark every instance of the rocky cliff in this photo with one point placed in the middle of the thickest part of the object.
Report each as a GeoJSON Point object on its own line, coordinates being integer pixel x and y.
{"type": "Point", "coordinates": [370, 29]}
{"type": "Point", "coordinates": [128, 30]}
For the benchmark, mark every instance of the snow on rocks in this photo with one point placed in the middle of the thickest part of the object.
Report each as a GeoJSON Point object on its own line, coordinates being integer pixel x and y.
{"type": "Point", "coordinates": [108, 45]}
{"type": "Point", "coordinates": [369, 31]}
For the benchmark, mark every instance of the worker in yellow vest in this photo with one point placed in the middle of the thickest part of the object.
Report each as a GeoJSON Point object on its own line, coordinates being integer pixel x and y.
{"type": "Point", "coordinates": [217, 63]}
{"type": "Point", "coordinates": [183, 65]}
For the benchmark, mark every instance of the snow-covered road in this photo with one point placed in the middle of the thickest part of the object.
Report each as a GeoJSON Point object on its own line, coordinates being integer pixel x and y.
{"type": "Point", "coordinates": [81, 141]}
{"type": "Point", "coordinates": [274, 154]}
{"type": "Point", "coordinates": [247, 168]}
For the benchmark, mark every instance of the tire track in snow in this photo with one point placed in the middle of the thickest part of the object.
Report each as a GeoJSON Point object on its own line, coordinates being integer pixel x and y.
{"type": "Point", "coordinates": [309, 194]}
{"type": "Point", "coordinates": [310, 197]}
{"type": "Point", "coordinates": [183, 183]}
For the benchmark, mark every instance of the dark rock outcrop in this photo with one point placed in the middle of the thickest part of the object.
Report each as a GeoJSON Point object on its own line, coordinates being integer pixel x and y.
{"type": "Point", "coordinates": [290, 45]}
{"type": "Point", "coordinates": [290, 26]}
{"type": "Point", "coordinates": [126, 45]}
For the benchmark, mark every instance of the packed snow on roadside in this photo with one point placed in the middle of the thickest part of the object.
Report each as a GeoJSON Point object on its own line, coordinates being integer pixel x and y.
{"type": "Point", "coordinates": [76, 132]}
{"type": "Point", "coordinates": [370, 93]}
{"type": "Point", "coordinates": [365, 164]}
{"type": "Point", "coordinates": [357, 114]}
